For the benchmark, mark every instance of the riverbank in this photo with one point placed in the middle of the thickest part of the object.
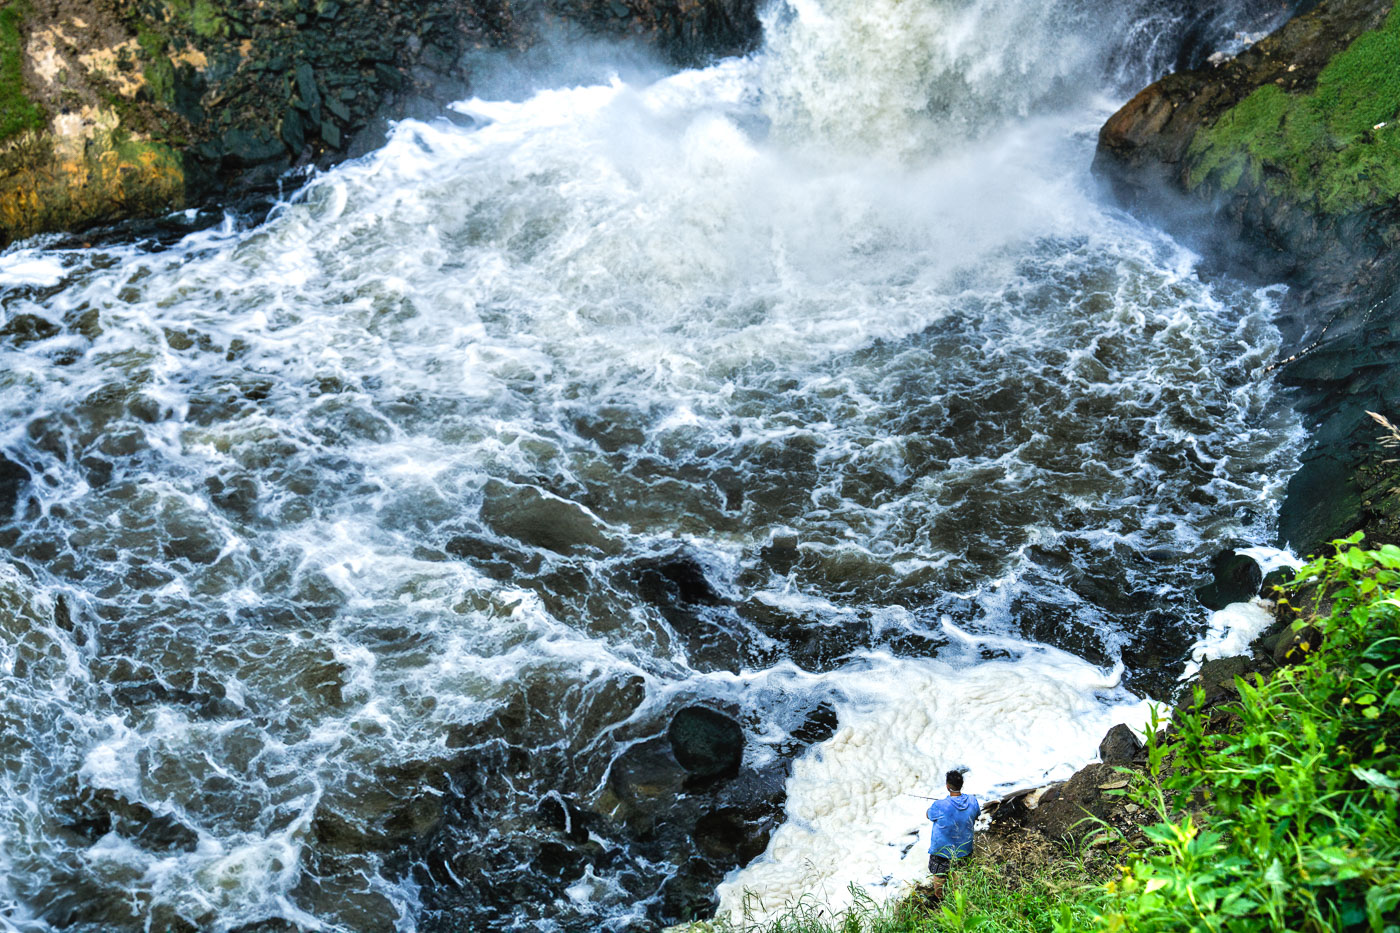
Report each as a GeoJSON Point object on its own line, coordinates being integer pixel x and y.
{"type": "Point", "coordinates": [1269, 802]}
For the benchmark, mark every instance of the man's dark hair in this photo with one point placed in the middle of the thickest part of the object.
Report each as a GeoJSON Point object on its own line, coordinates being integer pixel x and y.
{"type": "Point", "coordinates": [954, 779]}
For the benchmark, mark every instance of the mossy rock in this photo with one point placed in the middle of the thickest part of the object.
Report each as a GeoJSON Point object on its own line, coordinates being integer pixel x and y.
{"type": "Point", "coordinates": [1334, 146]}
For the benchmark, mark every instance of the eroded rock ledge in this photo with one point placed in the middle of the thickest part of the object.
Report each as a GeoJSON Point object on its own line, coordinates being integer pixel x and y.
{"type": "Point", "coordinates": [113, 109]}
{"type": "Point", "coordinates": [1283, 164]}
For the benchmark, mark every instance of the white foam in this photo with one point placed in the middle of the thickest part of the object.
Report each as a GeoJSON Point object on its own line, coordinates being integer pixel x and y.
{"type": "Point", "coordinates": [903, 724]}
{"type": "Point", "coordinates": [1270, 559]}
{"type": "Point", "coordinates": [30, 267]}
{"type": "Point", "coordinates": [1231, 630]}
{"type": "Point", "coordinates": [1229, 633]}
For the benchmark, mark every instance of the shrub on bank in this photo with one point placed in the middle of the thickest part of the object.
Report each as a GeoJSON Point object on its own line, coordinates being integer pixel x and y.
{"type": "Point", "coordinates": [1289, 821]}
{"type": "Point", "coordinates": [1284, 820]}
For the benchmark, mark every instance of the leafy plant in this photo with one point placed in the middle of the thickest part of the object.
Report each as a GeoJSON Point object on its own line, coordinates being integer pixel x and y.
{"type": "Point", "coordinates": [1289, 820]}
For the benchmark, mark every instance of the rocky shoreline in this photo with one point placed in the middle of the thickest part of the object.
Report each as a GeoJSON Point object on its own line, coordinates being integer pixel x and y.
{"type": "Point", "coordinates": [1279, 165]}
{"type": "Point", "coordinates": [1250, 161]}
{"type": "Point", "coordinates": [119, 109]}
{"type": "Point", "coordinates": [1090, 815]}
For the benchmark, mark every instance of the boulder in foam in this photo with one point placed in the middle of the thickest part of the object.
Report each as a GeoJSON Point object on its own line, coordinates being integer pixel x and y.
{"type": "Point", "coordinates": [1120, 746]}
{"type": "Point", "coordinates": [1234, 579]}
{"type": "Point", "coordinates": [541, 519]}
{"type": "Point", "coordinates": [13, 478]}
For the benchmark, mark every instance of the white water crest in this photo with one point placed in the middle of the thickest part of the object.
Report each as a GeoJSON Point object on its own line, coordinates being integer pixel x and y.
{"type": "Point", "coordinates": [358, 550]}
{"type": "Point", "coordinates": [900, 78]}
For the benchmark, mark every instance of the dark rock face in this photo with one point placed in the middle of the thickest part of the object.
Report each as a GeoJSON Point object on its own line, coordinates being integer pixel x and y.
{"type": "Point", "coordinates": [1234, 578]}
{"type": "Point", "coordinates": [1185, 152]}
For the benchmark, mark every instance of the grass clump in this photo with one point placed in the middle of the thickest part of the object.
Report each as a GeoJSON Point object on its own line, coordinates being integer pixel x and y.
{"type": "Point", "coordinates": [1336, 146]}
{"type": "Point", "coordinates": [17, 112]}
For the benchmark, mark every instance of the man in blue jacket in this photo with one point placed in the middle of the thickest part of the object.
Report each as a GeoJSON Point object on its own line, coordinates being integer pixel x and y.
{"type": "Point", "coordinates": [952, 830]}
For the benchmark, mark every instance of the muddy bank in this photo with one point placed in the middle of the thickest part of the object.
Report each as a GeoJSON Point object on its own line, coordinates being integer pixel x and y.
{"type": "Point", "coordinates": [1280, 165]}
{"type": "Point", "coordinates": [117, 109]}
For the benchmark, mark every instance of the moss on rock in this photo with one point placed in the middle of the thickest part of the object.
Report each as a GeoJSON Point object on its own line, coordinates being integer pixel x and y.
{"type": "Point", "coordinates": [17, 112]}
{"type": "Point", "coordinates": [102, 177]}
{"type": "Point", "coordinates": [1335, 146]}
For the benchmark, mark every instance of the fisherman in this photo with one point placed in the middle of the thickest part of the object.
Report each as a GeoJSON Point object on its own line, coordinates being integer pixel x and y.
{"type": "Point", "coordinates": [951, 838]}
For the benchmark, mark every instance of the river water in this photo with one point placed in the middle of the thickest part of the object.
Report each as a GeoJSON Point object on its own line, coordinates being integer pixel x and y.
{"type": "Point", "coordinates": [358, 547]}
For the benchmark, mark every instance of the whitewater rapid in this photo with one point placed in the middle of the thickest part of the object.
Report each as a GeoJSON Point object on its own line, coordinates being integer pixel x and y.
{"type": "Point", "coordinates": [366, 552]}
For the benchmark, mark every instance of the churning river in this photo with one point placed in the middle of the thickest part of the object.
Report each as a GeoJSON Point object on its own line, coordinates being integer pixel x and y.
{"type": "Point", "coordinates": [418, 557]}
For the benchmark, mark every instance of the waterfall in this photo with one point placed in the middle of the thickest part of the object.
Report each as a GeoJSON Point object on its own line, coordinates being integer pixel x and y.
{"type": "Point", "coordinates": [360, 563]}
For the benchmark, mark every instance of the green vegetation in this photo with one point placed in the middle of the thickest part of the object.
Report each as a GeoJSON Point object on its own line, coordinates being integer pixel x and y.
{"type": "Point", "coordinates": [17, 112]}
{"type": "Point", "coordinates": [202, 16]}
{"type": "Point", "coordinates": [1284, 819]}
{"type": "Point", "coordinates": [1301, 829]}
{"type": "Point", "coordinates": [1336, 146]}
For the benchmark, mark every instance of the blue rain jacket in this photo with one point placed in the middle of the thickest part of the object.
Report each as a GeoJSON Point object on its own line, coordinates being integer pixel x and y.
{"type": "Point", "coordinates": [952, 825]}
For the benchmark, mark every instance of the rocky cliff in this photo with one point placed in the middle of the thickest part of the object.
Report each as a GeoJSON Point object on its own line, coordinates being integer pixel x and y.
{"type": "Point", "coordinates": [1283, 164]}
{"type": "Point", "coordinates": [111, 109]}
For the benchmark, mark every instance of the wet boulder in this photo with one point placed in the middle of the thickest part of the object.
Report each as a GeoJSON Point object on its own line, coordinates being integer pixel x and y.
{"type": "Point", "coordinates": [13, 478]}
{"type": "Point", "coordinates": [644, 781]}
{"type": "Point", "coordinates": [1120, 746]}
{"type": "Point", "coordinates": [1072, 810]}
{"type": "Point", "coordinates": [707, 744]}
{"type": "Point", "coordinates": [676, 579]}
{"type": "Point", "coordinates": [1217, 677]}
{"type": "Point", "coordinates": [1235, 578]}
{"type": "Point", "coordinates": [541, 519]}
{"type": "Point", "coordinates": [1274, 580]}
